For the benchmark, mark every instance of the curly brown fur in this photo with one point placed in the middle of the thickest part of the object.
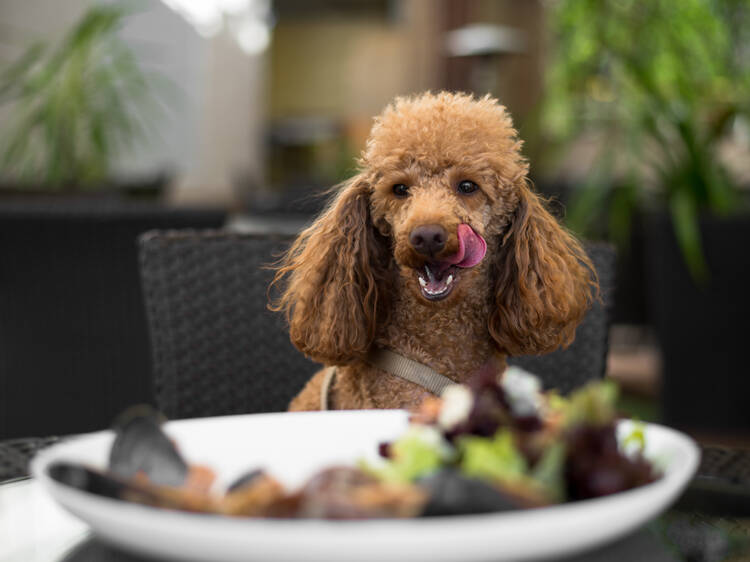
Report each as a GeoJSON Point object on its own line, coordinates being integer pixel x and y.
{"type": "Point", "coordinates": [350, 281]}
{"type": "Point", "coordinates": [336, 287]}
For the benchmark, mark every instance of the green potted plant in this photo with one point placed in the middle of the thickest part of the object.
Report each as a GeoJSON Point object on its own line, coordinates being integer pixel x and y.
{"type": "Point", "coordinates": [75, 106]}
{"type": "Point", "coordinates": [658, 88]}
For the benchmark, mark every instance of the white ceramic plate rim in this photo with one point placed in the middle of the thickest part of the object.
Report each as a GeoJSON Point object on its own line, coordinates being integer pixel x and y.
{"type": "Point", "coordinates": [517, 535]}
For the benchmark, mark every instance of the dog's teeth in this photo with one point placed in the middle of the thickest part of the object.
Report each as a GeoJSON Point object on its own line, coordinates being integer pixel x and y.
{"type": "Point", "coordinates": [438, 292]}
{"type": "Point", "coordinates": [430, 279]}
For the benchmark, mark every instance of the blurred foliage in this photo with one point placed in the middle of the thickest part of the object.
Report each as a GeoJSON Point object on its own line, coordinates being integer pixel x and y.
{"type": "Point", "coordinates": [658, 84]}
{"type": "Point", "coordinates": [75, 105]}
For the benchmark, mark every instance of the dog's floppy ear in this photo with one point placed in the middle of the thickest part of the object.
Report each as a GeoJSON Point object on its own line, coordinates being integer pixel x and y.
{"type": "Point", "coordinates": [333, 297]}
{"type": "Point", "coordinates": [545, 282]}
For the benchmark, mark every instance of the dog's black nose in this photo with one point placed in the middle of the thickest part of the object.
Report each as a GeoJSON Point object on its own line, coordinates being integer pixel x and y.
{"type": "Point", "coordinates": [428, 239]}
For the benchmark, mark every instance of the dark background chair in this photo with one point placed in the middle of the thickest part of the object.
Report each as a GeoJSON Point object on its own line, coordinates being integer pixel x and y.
{"type": "Point", "coordinates": [216, 348]}
{"type": "Point", "coordinates": [74, 347]}
{"type": "Point", "coordinates": [586, 358]}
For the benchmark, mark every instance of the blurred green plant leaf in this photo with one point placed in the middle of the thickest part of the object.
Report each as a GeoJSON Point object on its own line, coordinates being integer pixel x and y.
{"type": "Point", "coordinates": [685, 220]}
{"type": "Point", "coordinates": [662, 81]}
{"type": "Point", "coordinates": [77, 105]}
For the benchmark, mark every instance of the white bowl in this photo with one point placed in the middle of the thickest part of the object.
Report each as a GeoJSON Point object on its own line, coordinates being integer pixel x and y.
{"type": "Point", "coordinates": [292, 446]}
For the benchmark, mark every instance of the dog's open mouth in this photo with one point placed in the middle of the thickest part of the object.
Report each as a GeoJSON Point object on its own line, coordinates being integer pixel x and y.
{"type": "Point", "coordinates": [437, 280]}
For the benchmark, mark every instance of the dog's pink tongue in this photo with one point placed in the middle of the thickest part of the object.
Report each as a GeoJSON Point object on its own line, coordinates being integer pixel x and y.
{"type": "Point", "coordinates": [471, 248]}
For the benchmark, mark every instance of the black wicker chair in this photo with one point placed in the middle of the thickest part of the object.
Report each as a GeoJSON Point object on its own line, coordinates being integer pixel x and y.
{"type": "Point", "coordinates": [15, 455]}
{"type": "Point", "coordinates": [586, 358]}
{"type": "Point", "coordinates": [216, 348]}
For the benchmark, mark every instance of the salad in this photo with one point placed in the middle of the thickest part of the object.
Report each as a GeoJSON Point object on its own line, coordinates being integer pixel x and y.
{"type": "Point", "coordinates": [495, 444]}
{"type": "Point", "coordinates": [516, 446]}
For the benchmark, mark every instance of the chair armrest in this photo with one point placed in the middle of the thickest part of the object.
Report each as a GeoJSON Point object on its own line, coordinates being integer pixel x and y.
{"type": "Point", "coordinates": [15, 455]}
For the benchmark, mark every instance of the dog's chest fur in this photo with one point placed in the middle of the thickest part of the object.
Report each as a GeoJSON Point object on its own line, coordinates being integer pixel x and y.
{"type": "Point", "coordinates": [453, 340]}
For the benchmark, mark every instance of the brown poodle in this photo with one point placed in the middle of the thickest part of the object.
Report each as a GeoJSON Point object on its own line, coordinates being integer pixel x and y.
{"type": "Point", "coordinates": [437, 250]}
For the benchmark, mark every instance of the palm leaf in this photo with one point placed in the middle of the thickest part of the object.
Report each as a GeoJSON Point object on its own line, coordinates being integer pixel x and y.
{"type": "Point", "coordinates": [77, 104]}
{"type": "Point", "coordinates": [684, 215]}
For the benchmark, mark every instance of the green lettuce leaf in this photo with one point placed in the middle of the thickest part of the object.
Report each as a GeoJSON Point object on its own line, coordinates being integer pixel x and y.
{"type": "Point", "coordinates": [420, 451]}
{"type": "Point", "coordinates": [495, 458]}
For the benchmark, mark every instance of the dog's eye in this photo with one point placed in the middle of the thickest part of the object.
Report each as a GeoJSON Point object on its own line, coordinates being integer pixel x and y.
{"type": "Point", "coordinates": [400, 190]}
{"type": "Point", "coordinates": [467, 187]}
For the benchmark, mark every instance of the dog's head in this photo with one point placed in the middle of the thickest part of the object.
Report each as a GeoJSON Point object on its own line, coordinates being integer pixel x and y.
{"type": "Point", "coordinates": [442, 206]}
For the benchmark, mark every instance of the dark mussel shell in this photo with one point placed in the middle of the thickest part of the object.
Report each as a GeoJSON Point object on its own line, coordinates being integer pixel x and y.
{"type": "Point", "coordinates": [451, 493]}
{"type": "Point", "coordinates": [244, 480]}
{"type": "Point", "coordinates": [99, 483]}
{"type": "Point", "coordinates": [140, 446]}
{"type": "Point", "coordinates": [138, 490]}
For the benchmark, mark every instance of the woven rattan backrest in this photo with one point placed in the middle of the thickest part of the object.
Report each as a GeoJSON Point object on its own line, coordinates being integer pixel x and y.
{"type": "Point", "coordinates": [216, 348]}
{"type": "Point", "coordinates": [586, 358]}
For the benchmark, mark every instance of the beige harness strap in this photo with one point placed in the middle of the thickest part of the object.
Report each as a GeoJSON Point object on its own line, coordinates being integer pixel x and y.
{"type": "Point", "coordinates": [325, 390]}
{"type": "Point", "coordinates": [397, 365]}
{"type": "Point", "coordinates": [409, 370]}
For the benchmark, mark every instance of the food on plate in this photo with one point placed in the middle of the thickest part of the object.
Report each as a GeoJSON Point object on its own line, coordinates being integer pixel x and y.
{"type": "Point", "coordinates": [495, 444]}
